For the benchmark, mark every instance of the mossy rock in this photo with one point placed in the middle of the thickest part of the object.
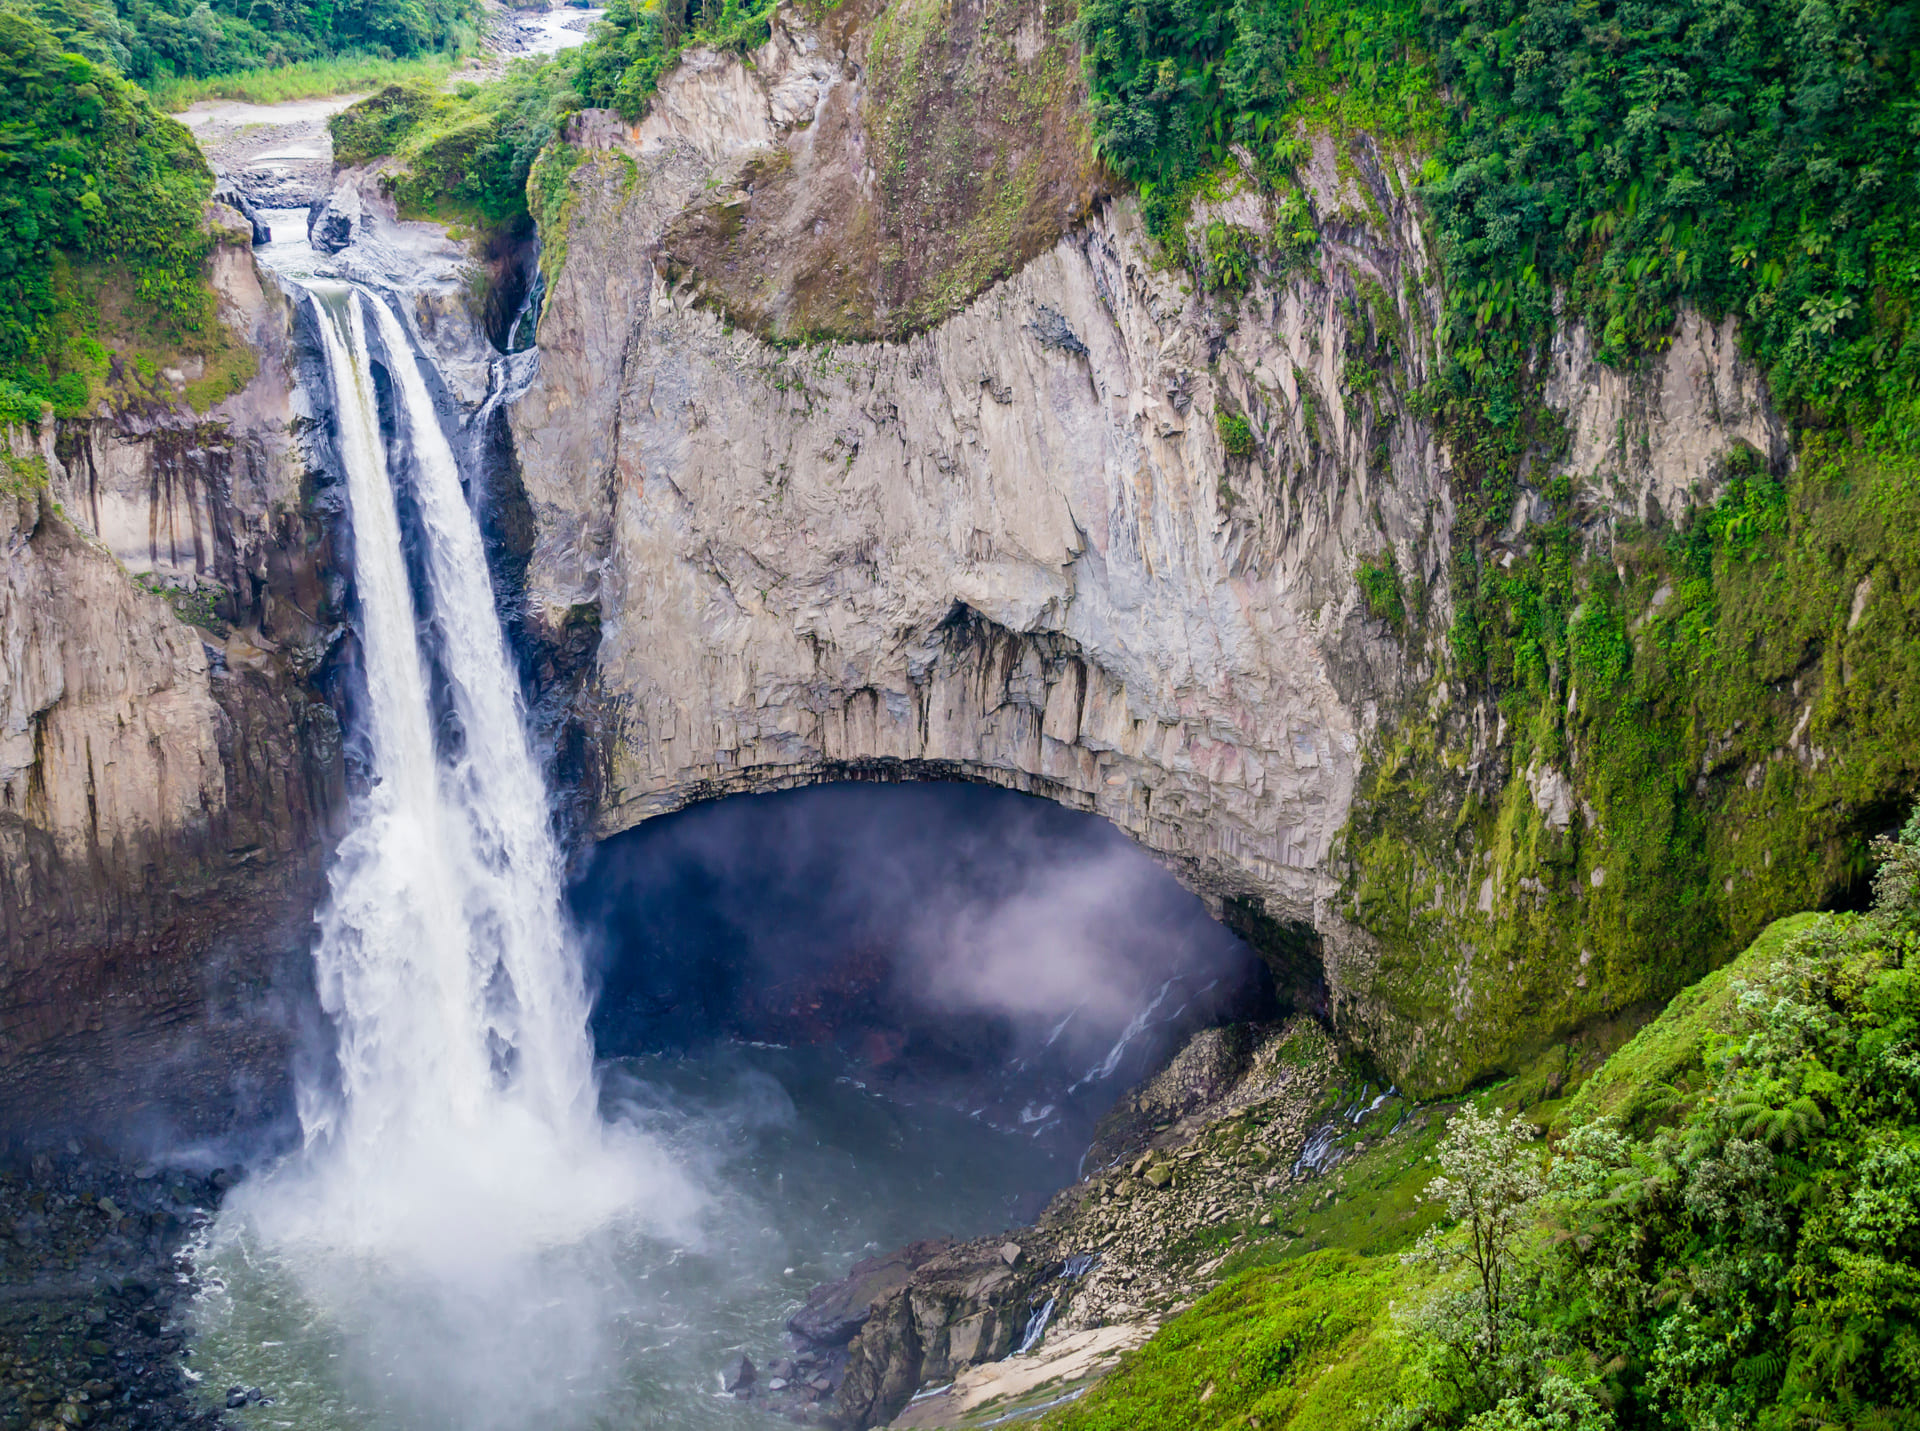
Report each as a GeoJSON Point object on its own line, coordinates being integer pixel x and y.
{"type": "Point", "coordinates": [1639, 1083]}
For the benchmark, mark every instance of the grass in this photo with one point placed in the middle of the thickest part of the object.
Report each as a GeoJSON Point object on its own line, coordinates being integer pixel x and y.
{"type": "Point", "coordinates": [310, 79]}
{"type": "Point", "coordinates": [1309, 1343]}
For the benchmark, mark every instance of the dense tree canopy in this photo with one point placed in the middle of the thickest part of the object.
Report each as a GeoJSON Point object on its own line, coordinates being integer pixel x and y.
{"type": "Point", "coordinates": [88, 170]}
{"type": "Point", "coordinates": [1750, 156]}
{"type": "Point", "coordinates": [149, 40]}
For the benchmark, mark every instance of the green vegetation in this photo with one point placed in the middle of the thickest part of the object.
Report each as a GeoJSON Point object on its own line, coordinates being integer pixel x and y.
{"type": "Point", "coordinates": [464, 156]}
{"type": "Point", "coordinates": [1754, 157]}
{"type": "Point", "coordinates": [21, 476]}
{"type": "Point", "coordinates": [160, 43]}
{"type": "Point", "coordinates": [641, 40]}
{"type": "Point", "coordinates": [1297, 1344]}
{"type": "Point", "coordinates": [199, 607]}
{"type": "Point", "coordinates": [1379, 580]}
{"type": "Point", "coordinates": [1175, 83]}
{"type": "Point", "coordinates": [306, 80]}
{"type": "Point", "coordinates": [104, 241]}
{"type": "Point", "coordinates": [1749, 1258]}
{"type": "Point", "coordinates": [97, 188]}
{"type": "Point", "coordinates": [1721, 1230]}
{"type": "Point", "coordinates": [1614, 163]}
{"type": "Point", "coordinates": [1235, 436]}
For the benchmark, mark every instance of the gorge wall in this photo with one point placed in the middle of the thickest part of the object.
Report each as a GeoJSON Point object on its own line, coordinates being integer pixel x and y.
{"type": "Point", "coordinates": [170, 779]}
{"type": "Point", "coordinates": [872, 436]}
{"type": "Point", "coordinates": [1026, 539]}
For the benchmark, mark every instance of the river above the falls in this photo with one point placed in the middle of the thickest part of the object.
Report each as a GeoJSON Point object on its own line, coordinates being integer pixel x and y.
{"type": "Point", "coordinates": [804, 1170]}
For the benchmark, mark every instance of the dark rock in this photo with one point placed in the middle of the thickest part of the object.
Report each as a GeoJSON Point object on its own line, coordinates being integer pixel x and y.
{"type": "Point", "coordinates": [738, 1375]}
{"type": "Point", "coordinates": [234, 199]}
{"type": "Point", "coordinates": [835, 1311]}
{"type": "Point", "coordinates": [328, 228]}
{"type": "Point", "coordinates": [1052, 330]}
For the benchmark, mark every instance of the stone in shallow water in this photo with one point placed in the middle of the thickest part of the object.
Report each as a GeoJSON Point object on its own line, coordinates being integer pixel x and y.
{"type": "Point", "coordinates": [738, 1375]}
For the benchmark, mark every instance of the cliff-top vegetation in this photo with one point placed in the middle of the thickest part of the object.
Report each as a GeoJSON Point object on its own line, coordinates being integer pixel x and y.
{"type": "Point", "coordinates": [104, 238]}
{"type": "Point", "coordinates": [91, 175]}
{"type": "Point", "coordinates": [164, 45]}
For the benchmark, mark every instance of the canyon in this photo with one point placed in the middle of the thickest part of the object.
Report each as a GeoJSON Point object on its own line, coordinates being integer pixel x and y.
{"type": "Point", "coordinates": [890, 712]}
{"type": "Point", "coordinates": [1006, 542]}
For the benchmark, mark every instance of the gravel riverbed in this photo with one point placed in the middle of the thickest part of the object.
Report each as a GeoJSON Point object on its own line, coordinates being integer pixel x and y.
{"type": "Point", "coordinates": [94, 1287]}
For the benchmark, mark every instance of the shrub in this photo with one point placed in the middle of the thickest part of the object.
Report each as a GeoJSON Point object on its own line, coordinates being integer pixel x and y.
{"type": "Point", "coordinates": [1235, 435]}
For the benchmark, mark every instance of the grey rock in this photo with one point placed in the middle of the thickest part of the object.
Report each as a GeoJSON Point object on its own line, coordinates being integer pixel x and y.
{"type": "Point", "coordinates": [236, 200]}
{"type": "Point", "coordinates": [836, 1310]}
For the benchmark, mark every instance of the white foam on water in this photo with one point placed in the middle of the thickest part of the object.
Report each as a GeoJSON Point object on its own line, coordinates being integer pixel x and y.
{"type": "Point", "coordinates": [442, 1212]}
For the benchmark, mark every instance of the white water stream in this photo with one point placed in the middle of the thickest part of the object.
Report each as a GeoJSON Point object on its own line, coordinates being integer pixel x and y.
{"type": "Point", "coordinates": [455, 1175]}
{"type": "Point", "coordinates": [444, 956]}
{"type": "Point", "coordinates": [475, 1235]}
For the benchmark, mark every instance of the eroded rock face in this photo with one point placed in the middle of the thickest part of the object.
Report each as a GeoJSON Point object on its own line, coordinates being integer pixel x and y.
{"type": "Point", "coordinates": [169, 779]}
{"type": "Point", "coordinates": [1030, 545]}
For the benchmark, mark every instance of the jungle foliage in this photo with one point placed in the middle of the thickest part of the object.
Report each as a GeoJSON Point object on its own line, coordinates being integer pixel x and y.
{"type": "Point", "coordinates": [1744, 1252]}
{"type": "Point", "coordinates": [638, 41]}
{"type": "Point", "coordinates": [154, 41]}
{"type": "Point", "coordinates": [465, 155]}
{"type": "Point", "coordinates": [1746, 156]}
{"type": "Point", "coordinates": [90, 173]}
{"type": "Point", "coordinates": [1173, 84]}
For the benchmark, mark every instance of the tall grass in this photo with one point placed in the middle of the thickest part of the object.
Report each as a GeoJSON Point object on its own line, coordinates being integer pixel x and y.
{"type": "Point", "coordinates": [310, 79]}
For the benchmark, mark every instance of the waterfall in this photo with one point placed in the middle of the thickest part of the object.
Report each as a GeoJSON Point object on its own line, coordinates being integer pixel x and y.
{"type": "Point", "coordinates": [465, 1103]}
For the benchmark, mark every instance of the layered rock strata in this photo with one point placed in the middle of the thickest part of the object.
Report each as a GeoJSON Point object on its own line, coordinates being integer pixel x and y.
{"type": "Point", "coordinates": [169, 777]}
{"type": "Point", "coordinates": [1094, 535]}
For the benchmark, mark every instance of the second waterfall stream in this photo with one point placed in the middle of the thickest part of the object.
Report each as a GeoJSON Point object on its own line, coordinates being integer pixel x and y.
{"type": "Point", "coordinates": [455, 1172]}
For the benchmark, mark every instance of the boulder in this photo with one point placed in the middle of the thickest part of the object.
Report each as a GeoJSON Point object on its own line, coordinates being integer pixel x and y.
{"type": "Point", "coordinates": [837, 1310]}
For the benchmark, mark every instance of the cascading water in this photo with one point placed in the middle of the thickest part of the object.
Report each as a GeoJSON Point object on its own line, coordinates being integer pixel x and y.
{"type": "Point", "coordinates": [444, 957]}
{"type": "Point", "coordinates": [456, 1180]}
{"type": "Point", "coordinates": [476, 1233]}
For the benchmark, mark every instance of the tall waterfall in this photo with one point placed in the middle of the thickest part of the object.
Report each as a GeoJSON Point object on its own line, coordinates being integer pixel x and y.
{"type": "Point", "coordinates": [465, 1102]}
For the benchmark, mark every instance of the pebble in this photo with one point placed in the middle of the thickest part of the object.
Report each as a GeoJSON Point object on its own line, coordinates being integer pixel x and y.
{"type": "Point", "coordinates": [86, 1331]}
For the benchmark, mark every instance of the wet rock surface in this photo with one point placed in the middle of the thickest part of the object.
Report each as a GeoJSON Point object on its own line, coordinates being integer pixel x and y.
{"type": "Point", "coordinates": [93, 1292]}
{"type": "Point", "coordinates": [277, 156]}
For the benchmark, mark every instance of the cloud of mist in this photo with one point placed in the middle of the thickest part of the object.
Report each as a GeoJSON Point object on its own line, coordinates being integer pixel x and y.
{"type": "Point", "coordinates": [981, 903]}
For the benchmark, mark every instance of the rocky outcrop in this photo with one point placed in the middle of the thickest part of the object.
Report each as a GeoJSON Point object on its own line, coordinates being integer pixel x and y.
{"type": "Point", "coordinates": [1093, 536]}
{"type": "Point", "coordinates": [1212, 1141]}
{"type": "Point", "coordinates": [169, 778]}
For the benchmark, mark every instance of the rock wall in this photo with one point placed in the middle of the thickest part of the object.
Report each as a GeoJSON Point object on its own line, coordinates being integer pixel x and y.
{"type": "Point", "coordinates": [1030, 544]}
{"type": "Point", "coordinates": [169, 779]}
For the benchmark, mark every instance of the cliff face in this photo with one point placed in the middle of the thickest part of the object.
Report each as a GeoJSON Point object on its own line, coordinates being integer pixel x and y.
{"type": "Point", "coordinates": [169, 780]}
{"type": "Point", "coordinates": [1088, 532]}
